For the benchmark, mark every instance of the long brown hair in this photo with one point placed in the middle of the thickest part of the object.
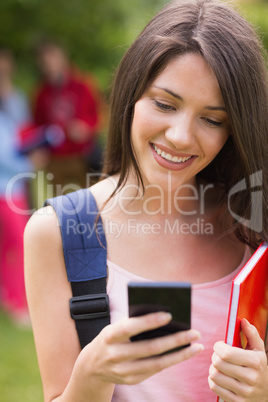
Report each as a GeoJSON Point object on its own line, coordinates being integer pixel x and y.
{"type": "Point", "coordinates": [231, 47]}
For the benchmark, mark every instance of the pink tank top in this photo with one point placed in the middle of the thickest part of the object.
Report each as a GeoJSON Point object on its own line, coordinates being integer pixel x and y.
{"type": "Point", "coordinates": [187, 381]}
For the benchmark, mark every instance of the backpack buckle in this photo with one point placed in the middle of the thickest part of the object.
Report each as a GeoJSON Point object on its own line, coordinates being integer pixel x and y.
{"type": "Point", "coordinates": [89, 306]}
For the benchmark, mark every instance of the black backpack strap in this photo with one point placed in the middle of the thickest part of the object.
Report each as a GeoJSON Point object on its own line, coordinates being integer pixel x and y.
{"type": "Point", "coordinates": [85, 254]}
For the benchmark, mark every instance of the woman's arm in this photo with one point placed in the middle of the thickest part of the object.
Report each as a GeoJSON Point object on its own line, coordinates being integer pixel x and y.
{"type": "Point", "coordinates": [68, 373]}
{"type": "Point", "coordinates": [48, 294]}
{"type": "Point", "coordinates": [237, 374]}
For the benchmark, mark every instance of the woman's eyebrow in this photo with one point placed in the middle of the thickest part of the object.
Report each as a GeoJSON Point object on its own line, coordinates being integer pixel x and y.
{"type": "Point", "coordinates": [170, 93]}
{"type": "Point", "coordinates": [220, 108]}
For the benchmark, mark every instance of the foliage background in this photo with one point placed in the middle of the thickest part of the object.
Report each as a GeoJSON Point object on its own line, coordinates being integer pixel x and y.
{"type": "Point", "coordinates": [96, 33]}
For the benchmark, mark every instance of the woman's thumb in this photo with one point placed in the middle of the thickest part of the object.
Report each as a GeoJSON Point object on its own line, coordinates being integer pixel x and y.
{"type": "Point", "coordinates": [254, 341]}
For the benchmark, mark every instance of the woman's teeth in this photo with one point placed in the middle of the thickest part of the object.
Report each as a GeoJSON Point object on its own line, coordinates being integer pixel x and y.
{"type": "Point", "coordinates": [170, 158]}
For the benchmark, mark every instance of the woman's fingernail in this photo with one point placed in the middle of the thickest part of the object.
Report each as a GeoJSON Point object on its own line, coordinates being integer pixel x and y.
{"type": "Point", "coordinates": [164, 317]}
{"type": "Point", "coordinates": [248, 323]}
{"type": "Point", "coordinates": [194, 335]}
{"type": "Point", "coordinates": [197, 347]}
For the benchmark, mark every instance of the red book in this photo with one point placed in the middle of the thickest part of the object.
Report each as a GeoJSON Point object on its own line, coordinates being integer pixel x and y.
{"type": "Point", "coordinates": [249, 299]}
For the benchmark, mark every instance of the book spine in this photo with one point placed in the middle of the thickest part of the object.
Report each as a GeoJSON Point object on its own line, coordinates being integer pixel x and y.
{"type": "Point", "coordinates": [232, 318]}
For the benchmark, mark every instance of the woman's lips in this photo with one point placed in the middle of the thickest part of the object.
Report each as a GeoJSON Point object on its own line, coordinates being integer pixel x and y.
{"type": "Point", "coordinates": [171, 160]}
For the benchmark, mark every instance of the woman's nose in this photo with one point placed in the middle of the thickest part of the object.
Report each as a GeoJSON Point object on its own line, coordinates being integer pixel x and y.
{"type": "Point", "coordinates": [181, 132]}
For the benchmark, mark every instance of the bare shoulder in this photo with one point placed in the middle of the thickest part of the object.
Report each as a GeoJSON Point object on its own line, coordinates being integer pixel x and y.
{"type": "Point", "coordinates": [43, 224]}
{"type": "Point", "coordinates": [43, 255]}
{"type": "Point", "coordinates": [104, 189]}
{"type": "Point", "coordinates": [42, 244]}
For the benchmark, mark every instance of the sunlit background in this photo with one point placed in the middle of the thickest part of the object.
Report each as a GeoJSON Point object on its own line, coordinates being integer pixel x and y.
{"type": "Point", "coordinates": [96, 34]}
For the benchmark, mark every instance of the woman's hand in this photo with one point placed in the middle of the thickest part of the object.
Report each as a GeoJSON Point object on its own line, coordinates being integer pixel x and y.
{"type": "Point", "coordinates": [238, 375]}
{"type": "Point", "coordinates": [115, 359]}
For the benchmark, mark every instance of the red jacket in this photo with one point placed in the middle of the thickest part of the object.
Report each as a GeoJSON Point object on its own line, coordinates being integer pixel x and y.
{"type": "Point", "coordinates": [59, 105]}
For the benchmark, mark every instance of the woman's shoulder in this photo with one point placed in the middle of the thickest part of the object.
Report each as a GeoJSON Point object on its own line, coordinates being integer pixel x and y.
{"type": "Point", "coordinates": [42, 226]}
{"type": "Point", "coordinates": [44, 223]}
{"type": "Point", "coordinates": [103, 190]}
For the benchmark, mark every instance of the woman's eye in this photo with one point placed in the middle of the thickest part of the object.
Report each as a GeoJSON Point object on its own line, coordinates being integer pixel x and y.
{"type": "Point", "coordinates": [163, 106]}
{"type": "Point", "coordinates": [213, 123]}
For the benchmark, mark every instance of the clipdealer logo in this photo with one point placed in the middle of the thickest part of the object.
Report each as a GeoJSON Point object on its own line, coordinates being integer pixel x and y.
{"type": "Point", "coordinates": [255, 221]}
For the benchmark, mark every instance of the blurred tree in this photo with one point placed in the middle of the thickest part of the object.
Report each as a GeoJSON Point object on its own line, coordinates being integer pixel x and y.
{"type": "Point", "coordinates": [96, 33]}
{"type": "Point", "coordinates": [257, 11]}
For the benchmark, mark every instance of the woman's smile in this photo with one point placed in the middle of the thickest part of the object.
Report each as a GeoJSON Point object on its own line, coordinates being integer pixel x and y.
{"type": "Point", "coordinates": [169, 160]}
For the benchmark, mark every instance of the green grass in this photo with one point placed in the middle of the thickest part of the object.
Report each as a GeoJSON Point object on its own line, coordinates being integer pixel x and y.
{"type": "Point", "coordinates": [19, 373]}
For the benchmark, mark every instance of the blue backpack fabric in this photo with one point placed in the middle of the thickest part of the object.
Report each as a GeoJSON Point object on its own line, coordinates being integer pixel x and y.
{"type": "Point", "coordinates": [85, 255]}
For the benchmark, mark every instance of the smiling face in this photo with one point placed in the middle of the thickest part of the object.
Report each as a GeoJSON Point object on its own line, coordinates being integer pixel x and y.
{"type": "Point", "coordinates": [179, 124]}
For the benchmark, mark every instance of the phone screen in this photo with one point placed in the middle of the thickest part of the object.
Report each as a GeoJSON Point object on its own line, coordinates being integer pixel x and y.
{"type": "Point", "coordinates": [172, 297]}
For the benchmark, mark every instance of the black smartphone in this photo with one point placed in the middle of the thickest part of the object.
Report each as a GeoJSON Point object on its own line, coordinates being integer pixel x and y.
{"type": "Point", "coordinates": [150, 297]}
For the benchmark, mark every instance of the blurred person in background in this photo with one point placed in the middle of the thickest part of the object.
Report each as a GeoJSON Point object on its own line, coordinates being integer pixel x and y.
{"type": "Point", "coordinates": [67, 108]}
{"type": "Point", "coordinates": [14, 114]}
{"type": "Point", "coordinates": [13, 102]}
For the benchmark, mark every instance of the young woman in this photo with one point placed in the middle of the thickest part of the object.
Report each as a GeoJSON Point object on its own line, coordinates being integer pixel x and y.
{"type": "Point", "coordinates": [188, 123]}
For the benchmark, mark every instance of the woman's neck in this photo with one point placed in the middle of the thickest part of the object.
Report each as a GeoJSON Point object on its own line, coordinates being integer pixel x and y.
{"type": "Point", "coordinates": [186, 202]}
